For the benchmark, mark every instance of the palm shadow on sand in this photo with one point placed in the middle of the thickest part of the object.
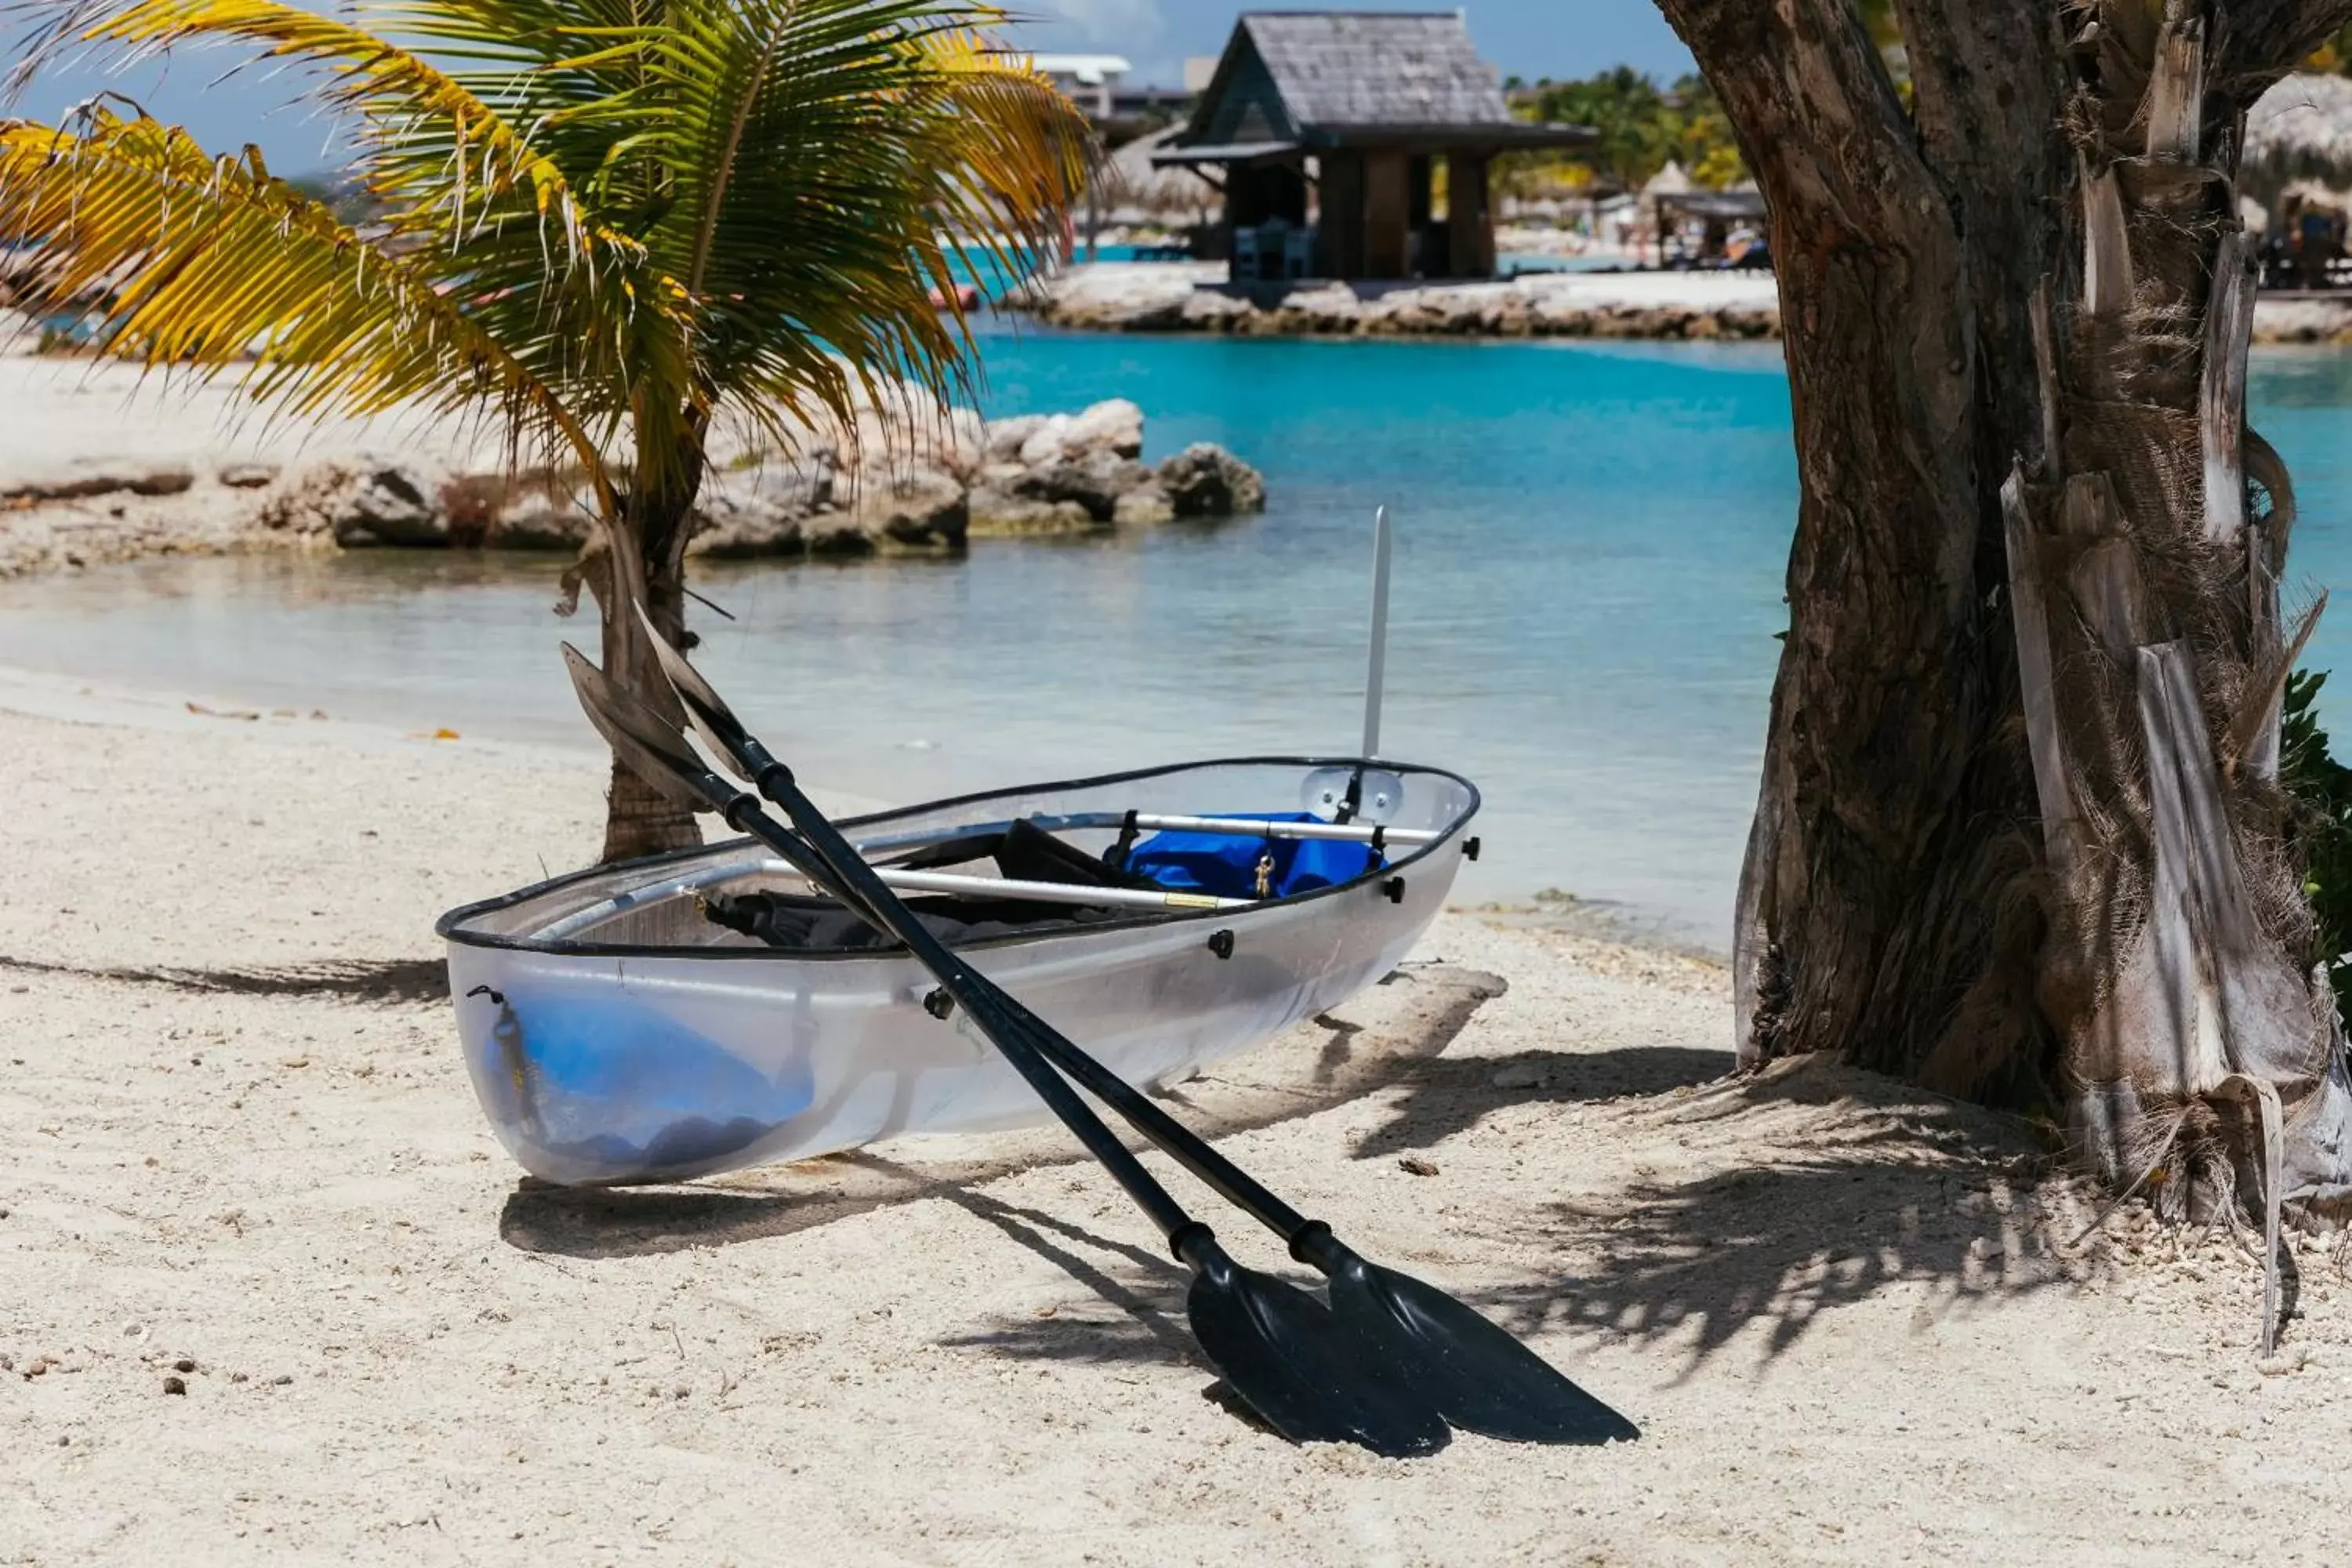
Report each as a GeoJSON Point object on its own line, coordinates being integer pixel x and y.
{"type": "Point", "coordinates": [396, 981]}
{"type": "Point", "coordinates": [1858, 1183]}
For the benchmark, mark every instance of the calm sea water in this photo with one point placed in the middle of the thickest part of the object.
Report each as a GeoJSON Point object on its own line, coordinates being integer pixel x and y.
{"type": "Point", "coordinates": [1591, 545]}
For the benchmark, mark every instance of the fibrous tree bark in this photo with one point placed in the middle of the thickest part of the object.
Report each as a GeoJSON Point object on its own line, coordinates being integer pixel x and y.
{"type": "Point", "coordinates": [656, 521]}
{"type": "Point", "coordinates": [2020, 834]}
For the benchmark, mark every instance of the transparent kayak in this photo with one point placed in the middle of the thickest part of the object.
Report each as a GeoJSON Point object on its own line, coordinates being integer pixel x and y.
{"type": "Point", "coordinates": [617, 1030]}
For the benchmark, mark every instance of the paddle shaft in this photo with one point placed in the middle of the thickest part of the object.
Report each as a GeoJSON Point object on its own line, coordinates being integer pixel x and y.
{"type": "Point", "coordinates": [1016, 1031]}
{"type": "Point", "coordinates": [744, 813]}
{"type": "Point", "coordinates": [1408, 1362]}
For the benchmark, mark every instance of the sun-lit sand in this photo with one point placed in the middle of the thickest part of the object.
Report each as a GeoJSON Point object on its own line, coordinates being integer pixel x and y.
{"type": "Point", "coordinates": [244, 1156]}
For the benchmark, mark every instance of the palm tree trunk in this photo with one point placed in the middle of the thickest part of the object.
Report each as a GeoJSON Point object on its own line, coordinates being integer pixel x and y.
{"type": "Point", "coordinates": [655, 525]}
{"type": "Point", "coordinates": [2019, 836]}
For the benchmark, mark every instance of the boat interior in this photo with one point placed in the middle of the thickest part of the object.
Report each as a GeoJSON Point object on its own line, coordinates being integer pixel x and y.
{"type": "Point", "coordinates": [1056, 857]}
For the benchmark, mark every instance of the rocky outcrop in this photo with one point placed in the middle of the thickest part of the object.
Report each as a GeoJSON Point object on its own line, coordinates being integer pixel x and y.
{"type": "Point", "coordinates": [1093, 482]}
{"type": "Point", "coordinates": [921, 509]}
{"type": "Point", "coordinates": [2303, 319]}
{"type": "Point", "coordinates": [904, 485]}
{"type": "Point", "coordinates": [1160, 297]}
{"type": "Point", "coordinates": [1206, 480]}
{"type": "Point", "coordinates": [83, 483]}
{"type": "Point", "coordinates": [359, 501]}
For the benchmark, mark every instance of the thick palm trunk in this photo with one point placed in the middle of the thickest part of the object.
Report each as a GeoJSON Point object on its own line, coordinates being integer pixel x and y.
{"type": "Point", "coordinates": [2019, 836]}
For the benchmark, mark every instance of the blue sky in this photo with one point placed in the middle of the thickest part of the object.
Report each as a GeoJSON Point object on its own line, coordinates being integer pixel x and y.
{"type": "Point", "coordinates": [1525, 38]}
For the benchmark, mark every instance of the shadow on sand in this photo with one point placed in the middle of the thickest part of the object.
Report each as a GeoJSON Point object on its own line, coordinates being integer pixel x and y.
{"type": "Point", "coordinates": [388, 980]}
{"type": "Point", "coordinates": [1858, 1185]}
{"type": "Point", "coordinates": [1829, 1185]}
{"type": "Point", "coordinates": [1443, 1097]}
{"type": "Point", "coordinates": [1854, 1182]}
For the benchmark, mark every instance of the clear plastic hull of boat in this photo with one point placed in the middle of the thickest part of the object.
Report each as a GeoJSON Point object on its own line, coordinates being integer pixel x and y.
{"type": "Point", "coordinates": [643, 1044]}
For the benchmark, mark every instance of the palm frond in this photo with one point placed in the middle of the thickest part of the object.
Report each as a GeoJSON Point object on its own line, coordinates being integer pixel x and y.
{"type": "Point", "coordinates": [775, 196]}
{"type": "Point", "coordinates": [397, 86]}
{"type": "Point", "coordinates": [211, 265]}
{"type": "Point", "coordinates": [823, 147]}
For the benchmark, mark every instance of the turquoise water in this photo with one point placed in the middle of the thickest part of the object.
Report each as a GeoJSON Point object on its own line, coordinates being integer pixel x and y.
{"type": "Point", "coordinates": [1590, 544]}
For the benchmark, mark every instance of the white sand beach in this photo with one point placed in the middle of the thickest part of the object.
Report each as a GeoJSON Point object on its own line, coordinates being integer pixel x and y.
{"type": "Point", "coordinates": [245, 1157]}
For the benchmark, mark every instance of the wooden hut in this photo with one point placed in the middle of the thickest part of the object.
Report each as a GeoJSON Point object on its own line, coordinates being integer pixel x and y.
{"type": "Point", "coordinates": [2297, 166]}
{"type": "Point", "coordinates": [1331, 128]}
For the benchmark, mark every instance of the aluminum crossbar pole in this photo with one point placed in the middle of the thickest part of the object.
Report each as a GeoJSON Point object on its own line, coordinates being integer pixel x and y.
{"type": "Point", "coordinates": [1376, 670]}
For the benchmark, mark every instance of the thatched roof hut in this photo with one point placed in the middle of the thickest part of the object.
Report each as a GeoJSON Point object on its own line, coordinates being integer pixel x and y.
{"type": "Point", "coordinates": [1670, 180]}
{"type": "Point", "coordinates": [2299, 131]}
{"type": "Point", "coordinates": [1375, 100]}
{"type": "Point", "coordinates": [1134, 187]}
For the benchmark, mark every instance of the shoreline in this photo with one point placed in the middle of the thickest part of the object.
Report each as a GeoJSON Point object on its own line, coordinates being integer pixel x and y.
{"type": "Point", "coordinates": [1697, 306]}
{"type": "Point", "coordinates": [246, 1138]}
{"type": "Point", "coordinates": [63, 697]}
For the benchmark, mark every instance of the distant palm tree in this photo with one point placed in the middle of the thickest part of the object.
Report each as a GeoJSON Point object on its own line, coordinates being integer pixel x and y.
{"type": "Point", "coordinates": [609, 225]}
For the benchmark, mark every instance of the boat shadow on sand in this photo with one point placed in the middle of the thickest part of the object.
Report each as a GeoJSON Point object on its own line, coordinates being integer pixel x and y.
{"type": "Point", "coordinates": [1710, 1206]}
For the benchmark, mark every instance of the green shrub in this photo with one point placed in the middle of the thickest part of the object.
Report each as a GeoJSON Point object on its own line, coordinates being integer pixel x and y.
{"type": "Point", "coordinates": [2321, 787]}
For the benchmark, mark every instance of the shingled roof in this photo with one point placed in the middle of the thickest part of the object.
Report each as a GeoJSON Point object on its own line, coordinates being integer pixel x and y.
{"type": "Point", "coordinates": [1294, 80]}
{"type": "Point", "coordinates": [1374, 68]}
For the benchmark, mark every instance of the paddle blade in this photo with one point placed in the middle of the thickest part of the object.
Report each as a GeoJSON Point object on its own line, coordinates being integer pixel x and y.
{"type": "Point", "coordinates": [1481, 1377]}
{"type": "Point", "coordinates": [649, 749]}
{"type": "Point", "coordinates": [705, 709]}
{"type": "Point", "coordinates": [1283, 1355]}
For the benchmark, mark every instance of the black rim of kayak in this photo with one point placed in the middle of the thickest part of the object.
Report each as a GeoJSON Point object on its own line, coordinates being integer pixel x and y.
{"type": "Point", "coordinates": [448, 927]}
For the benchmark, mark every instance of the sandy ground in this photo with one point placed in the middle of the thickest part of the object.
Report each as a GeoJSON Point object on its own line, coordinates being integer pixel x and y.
{"type": "Point", "coordinates": [241, 1146]}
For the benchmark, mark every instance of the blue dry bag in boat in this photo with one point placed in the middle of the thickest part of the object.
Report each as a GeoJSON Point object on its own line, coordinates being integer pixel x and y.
{"type": "Point", "coordinates": [1225, 866]}
{"type": "Point", "coordinates": [610, 1080]}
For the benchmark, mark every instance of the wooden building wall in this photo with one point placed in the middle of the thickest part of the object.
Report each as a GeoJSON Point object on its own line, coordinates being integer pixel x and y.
{"type": "Point", "coordinates": [1388, 212]}
{"type": "Point", "coordinates": [1341, 213]}
{"type": "Point", "coordinates": [1469, 216]}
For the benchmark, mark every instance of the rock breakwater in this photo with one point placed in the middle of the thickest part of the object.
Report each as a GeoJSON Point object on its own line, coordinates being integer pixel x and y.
{"type": "Point", "coordinates": [1162, 297]}
{"type": "Point", "coordinates": [178, 479]}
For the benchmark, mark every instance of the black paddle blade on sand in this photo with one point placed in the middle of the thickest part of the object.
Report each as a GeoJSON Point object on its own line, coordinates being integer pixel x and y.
{"type": "Point", "coordinates": [1473, 1370]}
{"type": "Point", "coordinates": [1282, 1354]}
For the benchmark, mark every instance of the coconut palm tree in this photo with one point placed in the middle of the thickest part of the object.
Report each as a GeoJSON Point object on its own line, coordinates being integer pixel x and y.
{"type": "Point", "coordinates": [612, 227]}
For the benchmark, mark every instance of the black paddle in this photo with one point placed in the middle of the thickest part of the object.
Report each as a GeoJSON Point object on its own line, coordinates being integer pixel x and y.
{"type": "Point", "coordinates": [1278, 1349]}
{"type": "Point", "coordinates": [1483, 1379]}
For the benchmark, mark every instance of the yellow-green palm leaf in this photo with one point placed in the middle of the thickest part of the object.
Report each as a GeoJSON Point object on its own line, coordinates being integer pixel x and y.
{"type": "Point", "coordinates": [612, 224]}
{"type": "Point", "coordinates": [209, 263]}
